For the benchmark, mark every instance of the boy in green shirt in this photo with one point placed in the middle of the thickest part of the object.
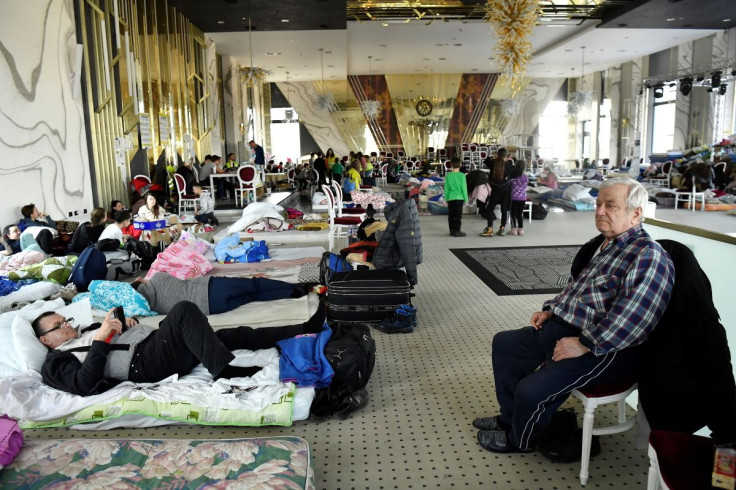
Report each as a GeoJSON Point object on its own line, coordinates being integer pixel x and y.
{"type": "Point", "coordinates": [456, 195]}
{"type": "Point", "coordinates": [337, 171]}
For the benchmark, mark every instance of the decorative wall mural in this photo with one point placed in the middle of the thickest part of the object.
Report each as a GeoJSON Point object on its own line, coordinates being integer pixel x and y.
{"type": "Point", "coordinates": [472, 99]}
{"type": "Point", "coordinates": [384, 127]}
{"type": "Point", "coordinates": [42, 133]}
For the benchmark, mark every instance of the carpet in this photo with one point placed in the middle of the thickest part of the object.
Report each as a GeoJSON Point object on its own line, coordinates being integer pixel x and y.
{"type": "Point", "coordinates": [273, 462]}
{"type": "Point", "coordinates": [520, 270]}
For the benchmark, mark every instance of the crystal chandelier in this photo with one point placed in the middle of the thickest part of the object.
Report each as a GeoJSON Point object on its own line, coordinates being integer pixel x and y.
{"type": "Point", "coordinates": [510, 107]}
{"type": "Point", "coordinates": [252, 76]}
{"type": "Point", "coordinates": [579, 98]}
{"type": "Point", "coordinates": [288, 113]}
{"type": "Point", "coordinates": [325, 101]}
{"type": "Point", "coordinates": [371, 108]}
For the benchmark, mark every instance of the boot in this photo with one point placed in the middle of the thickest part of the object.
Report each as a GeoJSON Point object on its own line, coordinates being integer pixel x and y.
{"type": "Point", "coordinates": [400, 322]}
{"type": "Point", "coordinates": [412, 312]}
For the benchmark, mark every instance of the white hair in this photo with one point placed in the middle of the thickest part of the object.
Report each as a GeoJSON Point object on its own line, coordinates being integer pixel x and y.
{"type": "Point", "coordinates": [637, 196]}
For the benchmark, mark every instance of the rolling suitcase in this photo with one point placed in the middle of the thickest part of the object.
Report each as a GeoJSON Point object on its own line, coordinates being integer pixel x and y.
{"type": "Point", "coordinates": [367, 295]}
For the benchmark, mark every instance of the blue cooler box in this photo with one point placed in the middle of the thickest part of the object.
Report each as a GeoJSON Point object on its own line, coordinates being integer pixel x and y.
{"type": "Point", "coordinates": [150, 225]}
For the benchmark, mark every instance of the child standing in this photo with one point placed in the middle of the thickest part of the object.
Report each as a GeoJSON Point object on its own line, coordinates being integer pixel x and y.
{"type": "Point", "coordinates": [518, 182]}
{"type": "Point", "coordinates": [456, 195]}
{"type": "Point", "coordinates": [205, 212]}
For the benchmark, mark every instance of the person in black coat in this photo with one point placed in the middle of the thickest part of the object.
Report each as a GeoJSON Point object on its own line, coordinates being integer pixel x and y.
{"type": "Point", "coordinates": [320, 165]}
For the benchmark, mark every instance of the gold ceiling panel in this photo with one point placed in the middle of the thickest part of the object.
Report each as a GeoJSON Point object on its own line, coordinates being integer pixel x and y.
{"type": "Point", "coordinates": [407, 10]}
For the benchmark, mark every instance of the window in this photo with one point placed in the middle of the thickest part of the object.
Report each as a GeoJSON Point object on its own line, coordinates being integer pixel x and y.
{"type": "Point", "coordinates": [553, 137]}
{"type": "Point", "coordinates": [285, 140]}
{"type": "Point", "coordinates": [663, 121]}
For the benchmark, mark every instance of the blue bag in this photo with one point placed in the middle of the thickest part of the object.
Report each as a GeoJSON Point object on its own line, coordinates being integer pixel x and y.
{"type": "Point", "coordinates": [231, 249]}
{"type": "Point", "coordinates": [90, 266]}
{"type": "Point", "coordinates": [330, 264]}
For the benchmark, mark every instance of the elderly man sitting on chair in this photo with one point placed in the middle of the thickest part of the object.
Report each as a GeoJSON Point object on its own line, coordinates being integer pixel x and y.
{"type": "Point", "coordinates": [105, 354]}
{"type": "Point", "coordinates": [587, 334]}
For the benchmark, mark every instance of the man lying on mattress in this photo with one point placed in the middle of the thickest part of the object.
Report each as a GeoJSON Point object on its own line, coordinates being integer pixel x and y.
{"type": "Point", "coordinates": [101, 356]}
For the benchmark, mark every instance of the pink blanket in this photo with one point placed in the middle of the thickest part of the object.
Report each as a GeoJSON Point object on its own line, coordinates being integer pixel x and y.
{"type": "Point", "coordinates": [182, 260]}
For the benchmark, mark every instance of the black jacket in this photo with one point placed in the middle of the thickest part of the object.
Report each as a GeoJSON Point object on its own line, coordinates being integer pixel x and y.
{"type": "Point", "coordinates": [687, 379]}
{"type": "Point", "coordinates": [400, 245]}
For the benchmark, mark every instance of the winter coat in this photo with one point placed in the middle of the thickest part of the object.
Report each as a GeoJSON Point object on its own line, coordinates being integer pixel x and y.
{"type": "Point", "coordinates": [400, 245]}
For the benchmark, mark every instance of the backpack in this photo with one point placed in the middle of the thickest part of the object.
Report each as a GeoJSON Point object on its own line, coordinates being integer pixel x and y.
{"type": "Point", "coordinates": [108, 245]}
{"type": "Point", "coordinates": [330, 264]}
{"type": "Point", "coordinates": [144, 251]}
{"type": "Point", "coordinates": [351, 352]}
{"type": "Point", "coordinates": [562, 440]}
{"type": "Point", "coordinates": [91, 265]}
{"type": "Point", "coordinates": [539, 211]}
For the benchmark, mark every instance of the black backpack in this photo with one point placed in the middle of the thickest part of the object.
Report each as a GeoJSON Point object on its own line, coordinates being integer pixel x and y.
{"type": "Point", "coordinates": [562, 440]}
{"type": "Point", "coordinates": [539, 211]}
{"type": "Point", "coordinates": [351, 352]}
{"type": "Point", "coordinates": [144, 250]}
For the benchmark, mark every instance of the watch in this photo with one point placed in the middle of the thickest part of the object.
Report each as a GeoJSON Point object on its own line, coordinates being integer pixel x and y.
{"type": "Point", "coordinates": [424, 107]}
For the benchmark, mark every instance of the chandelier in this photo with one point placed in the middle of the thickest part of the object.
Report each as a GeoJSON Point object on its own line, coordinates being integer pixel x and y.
{"type": "Point", "coordinates": [288, 113]}
{"type": "Point", "coordinates": [513, 21]}
{"type": "Point", "coordinates": [325, 101]}
{"type": "Point", "coordinates": [371, 108]}
{"type": "Point", "coordinates": [510, 107]}
{"type": "Point", "coordinates": [579, 98]}
{"type": "Point", "coordinates": [252, 76]}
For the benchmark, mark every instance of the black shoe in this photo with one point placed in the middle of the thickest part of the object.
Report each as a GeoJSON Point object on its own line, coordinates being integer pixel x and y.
{"type": "Point", "coordinates": [352, 403]}
{"type": "Point", "coordinates": [459, 234]}
{"type": "Point", "coordinates": [489, 423]}
{"type": "Point", "coordinates": [214, 221]}
{"type": "Point", "coordinates": [497, 441]}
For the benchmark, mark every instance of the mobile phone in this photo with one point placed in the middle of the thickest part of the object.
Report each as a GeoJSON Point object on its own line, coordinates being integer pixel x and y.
{"type": "Point", "coordinates": [119, 313]}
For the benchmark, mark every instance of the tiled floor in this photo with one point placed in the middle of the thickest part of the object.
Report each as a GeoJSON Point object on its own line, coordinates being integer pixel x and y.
{"type": "Point", "coordinates": [428, 386]}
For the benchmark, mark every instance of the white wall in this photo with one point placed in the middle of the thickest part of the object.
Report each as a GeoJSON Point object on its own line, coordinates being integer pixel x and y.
{"type": "Point", "coordinates": [43, 146]}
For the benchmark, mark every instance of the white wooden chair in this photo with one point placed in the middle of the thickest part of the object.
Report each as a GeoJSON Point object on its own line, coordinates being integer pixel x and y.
{"type": "Point", "coordinates": [246, 189]}
{"type": "Point", "coordinates": [690, 197]}
{"type": "Point", "coordinates": [186, 201]}
{"type": "Point", "coordinates": [664, 179]}
{"type": "Point", "coordinates": [339, 225]}
{"type": "Point", "coordinates": [592, 397]}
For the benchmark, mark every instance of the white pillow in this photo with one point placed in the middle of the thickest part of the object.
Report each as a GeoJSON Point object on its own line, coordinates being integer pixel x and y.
{"type": "Point", "coordinates": [32, 292]}
{"type": "Point", "coordinates": [8, 356]}
{"type": "Point", "coordinates": [575, 192]}
{"type": "Point", "coordinates": [35, 230]}
{"type": "Point", "coordinates": [30, 352]}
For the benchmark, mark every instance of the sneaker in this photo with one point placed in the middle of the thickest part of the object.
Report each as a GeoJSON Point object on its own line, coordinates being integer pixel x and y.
{"type": "Point", "coordinates": [400, 322]}
{"type": "Point", "coordinates": [411, 311]}
{"type": "Point", "coordinates": [488, 231]}
{"type": "Point", "coordinates": [513, 231]}
{"type": "Point", "coordinates": [521, 231]}
{"type": "Point", "coordinates": [501, 231]}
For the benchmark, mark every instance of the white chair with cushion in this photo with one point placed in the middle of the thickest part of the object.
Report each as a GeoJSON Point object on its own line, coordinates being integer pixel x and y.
{"type": "Point", "coordinates": [245, 192]}
{"type": "Point", "coordinates": [186, 201]}
{"type": "Point", "coordinates": [339, 225]}
{"type": "Point", "coordinates": [663, 179]}
{"type": "Point", "coordinates": [592, 397]}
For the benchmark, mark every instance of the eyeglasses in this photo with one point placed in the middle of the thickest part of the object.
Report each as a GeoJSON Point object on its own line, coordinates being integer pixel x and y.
{"type": "Point", "coordinates": [57, 326]}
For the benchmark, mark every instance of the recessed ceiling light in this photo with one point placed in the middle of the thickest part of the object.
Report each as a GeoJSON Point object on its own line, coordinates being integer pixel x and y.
{"type": "Point", "coordinates": [671, 19]}
{"type": "Point", "coordinates": [474, 69]}
{"type": "Point", "coordinates": [567, 50]}
{"type": "Point", "coordinates": [274, 53]}
{"type": "Point", "coordinates": [280, 67]}
{"type": "Point", "coordinates": [285, 21]}
{"type": "Point", "coordinates": [383, 45]}
{"type": "Point", "coordinates": [220, 21]}
{"type": "Point", "coordinates": [385, 24]}
{"type": "Point", "coordinates": [458, 44]}
{"type": "Point", "coordinates": [329, 52]}
{"type": "Point", "coordinates": [330, 66]}
{"type": "Point", "coordinates": [442, 59]}
{"type": "Point", "coordinates": [726, 20]}
{"type": "Point", "coordinates": [292, 39]}
{"type": "Point", "coordinates": [425, 59]}
{"type": "Point", "coordinates": [377, 59]}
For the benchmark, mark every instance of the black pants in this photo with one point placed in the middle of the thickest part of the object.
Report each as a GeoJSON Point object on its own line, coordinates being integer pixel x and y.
{"type": "Point", "coordinates": [185, 338]}
{"type": "Point", "coordinates": [45, 240]}
{"type": "Point", "coordinates": [517, 214]}
{"type": "Point", "coordinates": [455, 214]}
{"type": "Point", "coordinates": [499, 195]}
{"type": "Point", "coordinates": [228, 293]}
{"type": "Point", "coordinates": [529, 395]}
{"type": "Point", "coordinates": [337, 178]}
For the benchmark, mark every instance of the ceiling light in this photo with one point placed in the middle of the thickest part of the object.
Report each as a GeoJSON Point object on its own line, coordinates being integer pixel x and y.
{"type": "Point", "coordinates": [658, 91]}
{"type": "Point", "coordinates": [385, 24]}
{"type": "Point", "coordinates": [715, 79]}
{"type": "Point", "coordinates": [276, 53]}
{"type": "Point", "coordinates": [285, 21]}
{"type": "Point", "coordinates": [220, 21]}
{"type": "Point", "coordinates": [329, 52]}
{"type": "Point", "coordinates": [686, 86]}
{"type": "Point", "coordinates": [671, 19]}
{"type": "Point", "coordinates": [722, 89]}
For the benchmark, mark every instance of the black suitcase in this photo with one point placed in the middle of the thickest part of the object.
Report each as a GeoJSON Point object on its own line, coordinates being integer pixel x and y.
{"type": "Point", "coordinates": [367, 295]}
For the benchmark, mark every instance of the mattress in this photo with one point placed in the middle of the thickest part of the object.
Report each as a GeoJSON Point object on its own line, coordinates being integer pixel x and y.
{"type": "Point", "coordinates": [275, 237]}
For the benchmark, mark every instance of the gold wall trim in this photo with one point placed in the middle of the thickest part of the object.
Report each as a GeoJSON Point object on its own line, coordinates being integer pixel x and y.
{"type": "Point", "coordinates": [692, 230]}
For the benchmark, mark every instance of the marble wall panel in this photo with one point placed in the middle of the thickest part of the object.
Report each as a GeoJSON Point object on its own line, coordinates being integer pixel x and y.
{"type": "Point", "coordinates": [534, 99]}
{"type": "Point", "coordinates": [212, 87]}
{"type": "Point", "coordinates": [321, 126]}
{"type": "Point", "coordinates": [42, 131]}
{"type": "Point", "coordinates": [682, 102]}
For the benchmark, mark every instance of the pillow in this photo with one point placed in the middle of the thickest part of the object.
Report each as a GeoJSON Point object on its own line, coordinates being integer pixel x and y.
{"type": "Point", "coordinates": [575, 192]}
{"type": "Point", "coordinates": [31, 292]}
{"type": "Point", "coordinates": [8, 357]}
{"type": "Point", "coordinates": [30, 352]}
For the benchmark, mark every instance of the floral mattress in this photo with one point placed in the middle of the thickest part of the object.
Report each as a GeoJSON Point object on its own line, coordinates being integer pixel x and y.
{"type": "Point", "coordinates": [275, 462]}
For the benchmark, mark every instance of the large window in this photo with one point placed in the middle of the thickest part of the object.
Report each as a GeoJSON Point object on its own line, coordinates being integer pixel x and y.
{"type": "Point", "coordinates": [553, 137]}
{"type": "Point", "coordinates": [663, 121]}
{"type": "Point", "coordinates": [285, 140]}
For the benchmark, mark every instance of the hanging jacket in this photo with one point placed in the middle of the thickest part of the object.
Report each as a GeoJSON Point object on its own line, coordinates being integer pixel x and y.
{"type": "Point", "coordinates": [400, 245]}
{"type": "Point", "coordinates": [686, 379]}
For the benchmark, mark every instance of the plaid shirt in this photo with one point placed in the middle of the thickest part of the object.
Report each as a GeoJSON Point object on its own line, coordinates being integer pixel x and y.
{"type": "Point", "coordinates": [618, 298]}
